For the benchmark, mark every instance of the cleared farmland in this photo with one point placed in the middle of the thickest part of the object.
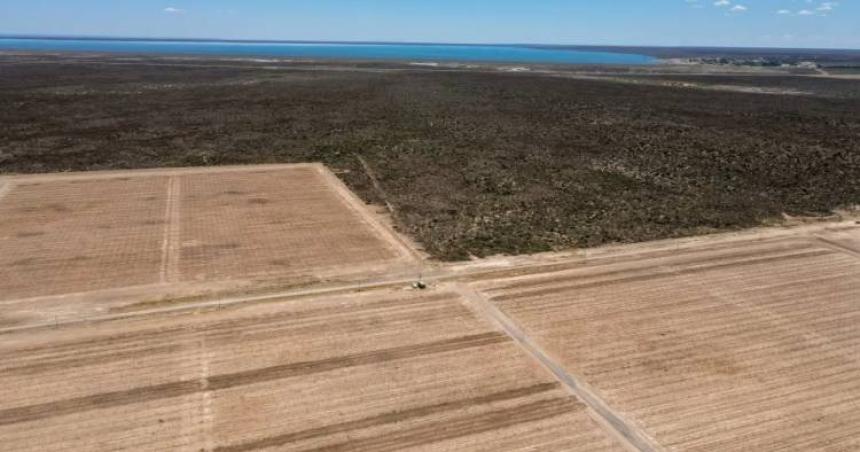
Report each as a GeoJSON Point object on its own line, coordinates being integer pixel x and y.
{"type": "Point", "coordinates": [382, 371]}
{"type": "Point", "coordinates": [63, 235]}
{"type": "Point", "coordinates": [80, 235]}
{"type": "Point", "coordinates": [736, 342]}
{"type": "Point", "coordinates": [747, 347]}
{"type": "Point", "coordinates": [234, 224]}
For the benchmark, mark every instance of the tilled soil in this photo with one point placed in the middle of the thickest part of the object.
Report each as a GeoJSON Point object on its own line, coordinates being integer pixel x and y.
{"type": "Point", "coordinates": [85, 232]}
{"type": "Point", "coordinates": [383, 371]}
{"type": "Point", "coordinates": [474, 163]}
{"type": "Point", "coordinates": [743, 348]}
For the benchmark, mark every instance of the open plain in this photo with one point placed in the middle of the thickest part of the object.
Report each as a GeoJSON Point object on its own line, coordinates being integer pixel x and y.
{"type": "Point", "coordinates": [389, 370]}
{"type": "Point", "coordinates": [728, 342]}
{"type": "Point", "coordinates": [724, 348]}
{"type": "Point", "coordinates": [474, 161]}
{"type": "Point", "coordinates": [84, 243]}
{"type": "Point", "coordinates": [270, 307]}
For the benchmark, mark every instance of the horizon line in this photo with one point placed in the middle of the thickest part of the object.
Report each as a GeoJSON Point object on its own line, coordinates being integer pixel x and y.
{"type": "Point", "coordinates": [367, 42]}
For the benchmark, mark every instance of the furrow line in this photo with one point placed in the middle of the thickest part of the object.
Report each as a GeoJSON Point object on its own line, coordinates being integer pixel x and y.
{"type": "Point", "coordinates": [622, 429]}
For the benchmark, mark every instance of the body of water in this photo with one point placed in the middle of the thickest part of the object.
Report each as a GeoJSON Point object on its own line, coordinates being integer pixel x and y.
{"type": "Point", "coordinates": [334, 51]}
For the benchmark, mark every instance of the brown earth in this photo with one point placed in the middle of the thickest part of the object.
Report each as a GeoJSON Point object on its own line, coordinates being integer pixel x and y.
{"type": "Point", "coordinates": [748, 347]}
{"type": "Point", "coordinates": [267, 307]}
{"type": "Point", "coordinates": [726, 342]}
{"type": "Point", "coordinates": [66, 234]}
{"type": "Point", "coordinates": [77, 235]}
{"type": "Point", "coordinates": [382, 371]}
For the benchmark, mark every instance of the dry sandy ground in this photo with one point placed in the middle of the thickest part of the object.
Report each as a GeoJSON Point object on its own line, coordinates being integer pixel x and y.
{"type": "Point", "coordinates": [391, 370]}
{"type": "Point", "coordinates": [80, 244]}
{"type": "Point", "coordinates": [753, 346]}
{"type": "Point", "coordinates": [743, 341]}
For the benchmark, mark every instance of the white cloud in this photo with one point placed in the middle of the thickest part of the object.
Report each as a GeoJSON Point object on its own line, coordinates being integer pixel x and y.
{"type": "Point", "coordinates": [823, 9]}
{"type": "Point", "coordinates": [172, 10]}
{"type": "Point", "coordinates": [811, 7]}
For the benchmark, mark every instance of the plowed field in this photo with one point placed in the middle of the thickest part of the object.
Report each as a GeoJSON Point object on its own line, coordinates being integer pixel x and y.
{"type": "Point", "coordinates": [733, 342]}
{"type": "Point", "coordinates": [383, 371]}
{"type": "Point", "coordinates": [68, 234]}
{"type": "Point", "coordinates": [752, 347]}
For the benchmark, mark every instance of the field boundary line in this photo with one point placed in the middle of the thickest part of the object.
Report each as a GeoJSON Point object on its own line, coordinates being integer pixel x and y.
{"type": "Point", "coordinates": [5, 188]}
{"type": "Point", "coordinates": [376, 185]}
{"type": "Point", "coordinates": [663, 249]}
{"type": "Point", "coordinates": [433, 275]}
{"type": "Point", "coordinates": [623, 430]}
{"type": "Point", "coordinates": [171, 235]}
{"type": "Point", "coordinates": [444, 273]}
{"type": "Point", "coordinates": [355, 204]}
{"type": "Point", "coordinates": [153, 172]}
{"type": "Point", "coordinates": [207, 416]}
{"type": "Point", "coordinates": [218, 303]}
{"type": "Point", "coordinates": [836, 246]}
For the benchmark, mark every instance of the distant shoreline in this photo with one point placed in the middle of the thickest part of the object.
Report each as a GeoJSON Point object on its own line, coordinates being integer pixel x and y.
{"type": "Point", "coordinates": [452, 53]}
{"type": "Point", "coordinates": [425, 52]}
{"type": "Point", "coordinates": [655, 51]}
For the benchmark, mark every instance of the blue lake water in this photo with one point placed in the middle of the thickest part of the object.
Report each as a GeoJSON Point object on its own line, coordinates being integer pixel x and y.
{"type": "Point", "coordinates": [395, 52]}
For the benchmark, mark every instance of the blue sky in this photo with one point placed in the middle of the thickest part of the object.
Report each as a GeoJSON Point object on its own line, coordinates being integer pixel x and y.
{"type": "Point", "coordinates": [780, 23]}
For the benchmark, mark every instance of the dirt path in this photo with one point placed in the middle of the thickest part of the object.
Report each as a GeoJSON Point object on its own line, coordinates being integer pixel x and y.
{"type": "Point", "coordinates": [492, 268]}
{"type": "Point", "coordinates": [5, 188]}
{"type": "Point", "coordinates": [626, 432]}
{"type": "Point", "coordinates": [405, 249]}
{"type": "Point", "coordinates": [171, 242]}
{"type": "Point", "coordinates": [518, 332]}
{"type": "Point", "coordinates": [376, 185]}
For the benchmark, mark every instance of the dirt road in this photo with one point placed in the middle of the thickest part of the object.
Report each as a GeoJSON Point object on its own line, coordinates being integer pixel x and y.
{"type": "Point", "coordinates": [728, 342]}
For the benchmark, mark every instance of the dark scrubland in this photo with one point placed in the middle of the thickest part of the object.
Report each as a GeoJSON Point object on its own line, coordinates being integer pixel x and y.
{"type": "Point", "coordinates": [474, 162]}
{"type": "Point", "coordinates": [817, 86]}
{"type": "Point", "coordinates": [827, 57]}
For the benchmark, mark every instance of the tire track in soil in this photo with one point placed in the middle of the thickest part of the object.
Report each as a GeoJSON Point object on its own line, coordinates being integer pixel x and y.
{"type": "Point", "coordinates": [687, 261]}
{"type": "Point", "coordinates": [170, 247]}
{"type": "Point", "coordinates": [64, 407]}
{"type": "Point", "coordinates": [206, 413]}
{"type": "Point", "coordinates": [460, 427]}
{"type": "Point", "coordinates": [838, 246]}
{"type": "Point", "coordinates": [660, 274]}
{"type": "Point", "coordinates": [392, 417]}
{"type": "Point", "coordinates": [397, 243]}
{"type": "Point", "coordinates": [615, 423]}
{"type": "Point", "coordinates": [5, 188]}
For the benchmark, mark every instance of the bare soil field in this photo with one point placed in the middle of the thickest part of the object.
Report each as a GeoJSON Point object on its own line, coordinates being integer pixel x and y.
{"type": "Point", "coordinates": [70, 236]}
{"type": "Point", "coordinates": [382, 371]}
{"type": "Point", "coordinates": [475, 162]}
{"type": "Point", "coordinates": [77, 233]}
{"type": "Point", "coordinates": [235, 308]}
{"type": "Point", "coordinates": [726, 342]}
{"type": "Point", "coordinates": [744, 346]}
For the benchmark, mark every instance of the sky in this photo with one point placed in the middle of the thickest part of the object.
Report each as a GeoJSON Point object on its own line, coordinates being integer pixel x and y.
{"type": "Point", "coordinates": [744, 23]}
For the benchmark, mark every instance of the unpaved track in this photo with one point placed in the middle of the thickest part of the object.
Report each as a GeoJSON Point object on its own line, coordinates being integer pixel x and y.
{"type": "Point", "coordinates": [383, 371]}
{"type": "Point", "coordinates": [87, 235]}
{"type": "Point", "coordinates": [5, 188]}
{"type": "Point", "coordinates": [733, 342]}
{"type": "Point", "coordinates": [171, 246]}
{"type": "Point", "coordinates": [629, 435]}
{"type": "Point", "coordinates": [744, 348]}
